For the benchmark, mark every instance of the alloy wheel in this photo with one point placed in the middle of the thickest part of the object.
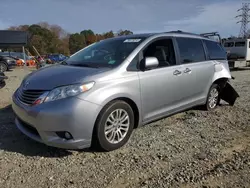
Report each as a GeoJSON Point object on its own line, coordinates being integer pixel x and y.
{"type": "Point", "coordinates": [213, 98]}
{"type": "Point", "coordinates": [117, 126]}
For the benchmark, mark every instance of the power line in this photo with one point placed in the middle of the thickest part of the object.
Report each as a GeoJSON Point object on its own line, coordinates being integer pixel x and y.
{"type": "Point", "coordinates": [244, 19]}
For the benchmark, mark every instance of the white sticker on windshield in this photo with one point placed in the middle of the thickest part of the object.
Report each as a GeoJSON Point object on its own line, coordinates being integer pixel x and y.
{"type": "Point", "coordinates": [132, 40]}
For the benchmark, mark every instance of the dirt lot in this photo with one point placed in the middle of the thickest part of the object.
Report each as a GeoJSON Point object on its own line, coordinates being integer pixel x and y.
{"type": "Point", "coordinates": [191, 149]}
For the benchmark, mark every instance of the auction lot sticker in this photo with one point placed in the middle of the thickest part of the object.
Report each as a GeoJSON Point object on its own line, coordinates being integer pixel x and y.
{"type": "Point", "coordinates": [132, 40]}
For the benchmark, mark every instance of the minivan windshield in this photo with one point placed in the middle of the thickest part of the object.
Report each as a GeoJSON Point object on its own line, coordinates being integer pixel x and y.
{"type": "Point", "coordinates": [106, 53]}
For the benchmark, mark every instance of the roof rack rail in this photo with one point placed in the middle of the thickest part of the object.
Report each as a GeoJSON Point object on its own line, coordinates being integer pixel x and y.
{"type": "Point", "coordinates": [183, 32]}
{"type": "Point", "coordinates": [211, 34]}
{"type": "Point", "coordinates": [206, 35]}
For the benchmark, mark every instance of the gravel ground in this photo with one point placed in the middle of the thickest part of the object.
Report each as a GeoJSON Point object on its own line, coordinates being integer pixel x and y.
{"type": "Point", "coordinates": [190, 149]}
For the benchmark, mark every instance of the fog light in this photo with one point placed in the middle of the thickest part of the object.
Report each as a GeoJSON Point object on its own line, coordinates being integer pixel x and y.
{"type": "Point", "coordinates": [65, 134]}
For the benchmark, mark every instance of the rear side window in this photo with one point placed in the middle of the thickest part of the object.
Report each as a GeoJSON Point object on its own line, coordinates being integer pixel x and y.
{"type": "Point", "coordinates": [240, 44]}
{"type": "Point", "coordinates": [191, 50]}
{"type": "Point", "coordinates": [215, 50]}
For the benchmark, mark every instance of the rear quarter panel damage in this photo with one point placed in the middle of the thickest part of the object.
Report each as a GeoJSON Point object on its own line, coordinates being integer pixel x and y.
{"type": "Point", "coordinates": [222, 71]}
{"type": "Point", "coordinates": [229, 94]}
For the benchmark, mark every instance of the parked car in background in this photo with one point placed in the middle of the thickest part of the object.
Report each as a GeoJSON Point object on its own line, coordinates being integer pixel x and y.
{"type": "Point", "coordinates": [101, 93]}
{"type": "Point", "coordinates": [55, 58]}
{"type": "Point", "coordinates": [7, 63]}
{"type": "Point", "coordinates": [19, 57]}
{"type": "Point", "coordinates": [2, 80]}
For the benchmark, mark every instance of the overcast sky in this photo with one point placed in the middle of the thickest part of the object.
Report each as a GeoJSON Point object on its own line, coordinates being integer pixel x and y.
{"type": "Point", "coordinates": [136, 15]}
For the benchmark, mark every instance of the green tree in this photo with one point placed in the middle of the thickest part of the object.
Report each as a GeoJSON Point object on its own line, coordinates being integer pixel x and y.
{"type": "Point", "coordinates": [76, 42]}
{"type": "Point", "coordinates": [64, 45]}
{"type": "Point", "coordinates": [124, 32]}
{"type": "Point", "coordinates": [87, 32]}
{"type": "Point", "coordinates": [38, 42]}
{"type": "Point", "coordinates": [99, 37]}
{"type": "Point", "coordinates": [54, 39]}
{"type": "Point", "coordinates": [109, 34]}
{"type": "Point", "coordinates": [50, 38]}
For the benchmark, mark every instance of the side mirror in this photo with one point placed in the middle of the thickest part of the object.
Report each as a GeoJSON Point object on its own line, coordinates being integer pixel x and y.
{"type": "Point", "coordinates": [151, 63]}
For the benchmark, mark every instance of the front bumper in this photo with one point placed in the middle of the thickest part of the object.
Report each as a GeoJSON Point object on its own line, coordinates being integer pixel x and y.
{"type": "Point", "coordinates": [41, 122]}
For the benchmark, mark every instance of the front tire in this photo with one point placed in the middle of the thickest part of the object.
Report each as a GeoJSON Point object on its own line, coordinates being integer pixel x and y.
{"type": "Point", "coordinates": [114, 126]}
{"type": "Point", "coordinates": [213, 98]}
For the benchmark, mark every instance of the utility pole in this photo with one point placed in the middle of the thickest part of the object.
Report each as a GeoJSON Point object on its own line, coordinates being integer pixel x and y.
{"type": "Point", "coordinates": [244, 20]}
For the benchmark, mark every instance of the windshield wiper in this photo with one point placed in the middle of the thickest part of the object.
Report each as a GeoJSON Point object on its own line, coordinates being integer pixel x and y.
{"type": "Point", "coordinates": [64, 63]}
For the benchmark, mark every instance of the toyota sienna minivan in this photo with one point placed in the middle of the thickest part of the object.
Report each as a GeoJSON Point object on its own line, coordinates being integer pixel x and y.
{"type": "Point", "coordinates": [101, 93]}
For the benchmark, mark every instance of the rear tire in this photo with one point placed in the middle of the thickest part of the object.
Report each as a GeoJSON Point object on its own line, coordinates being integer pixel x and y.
{"type": "Point", "coordinates": [213, 98]}
{"type": "Point", "coordinates": [3, 67]}
{"type": "Point", "coordinates": [114, 126]}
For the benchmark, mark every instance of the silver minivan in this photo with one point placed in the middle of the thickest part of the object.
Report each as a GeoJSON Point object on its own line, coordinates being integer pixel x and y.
{"type": "Point", "coordinates": [104, 91]}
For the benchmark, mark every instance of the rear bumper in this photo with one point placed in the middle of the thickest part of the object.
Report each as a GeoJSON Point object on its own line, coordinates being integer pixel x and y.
{"type": "Point", "coordinates": [42, 122]}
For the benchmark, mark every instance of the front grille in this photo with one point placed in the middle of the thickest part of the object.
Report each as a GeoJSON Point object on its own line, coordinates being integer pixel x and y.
{"type": "Point", "coordinates": [28, 97]}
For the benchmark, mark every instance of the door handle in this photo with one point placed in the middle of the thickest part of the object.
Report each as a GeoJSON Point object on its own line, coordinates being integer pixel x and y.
{"type": "Point", "coordinates": [187, 70]}
{"type": "Point", "coordinates": [177, 72]}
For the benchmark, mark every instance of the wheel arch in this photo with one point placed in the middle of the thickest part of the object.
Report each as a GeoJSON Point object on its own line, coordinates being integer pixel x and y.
{"type": "Point", "coordinates": [134, 108]}
{"type": "Point", "coordinates": [129, 101]}
{"type": "Point", "coordinates": [221, 82]}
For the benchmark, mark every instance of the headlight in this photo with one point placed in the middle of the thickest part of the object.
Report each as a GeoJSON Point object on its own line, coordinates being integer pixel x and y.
{"type": "Point", "coordinates": [68, 91]}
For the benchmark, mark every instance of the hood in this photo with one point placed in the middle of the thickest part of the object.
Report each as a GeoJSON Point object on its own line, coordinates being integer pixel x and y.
{"type": "Point", "coordinates": [50, 77]}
